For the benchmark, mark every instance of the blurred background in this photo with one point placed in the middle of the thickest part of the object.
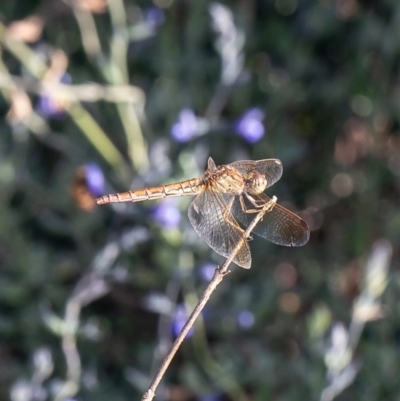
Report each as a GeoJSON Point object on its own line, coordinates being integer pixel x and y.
{"type": "Point", "coordinates": [100, 97]}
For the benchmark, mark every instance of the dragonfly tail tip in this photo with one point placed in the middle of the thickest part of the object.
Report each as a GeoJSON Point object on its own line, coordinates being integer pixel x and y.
{"type": "Point", "coordinates": [101, 201]}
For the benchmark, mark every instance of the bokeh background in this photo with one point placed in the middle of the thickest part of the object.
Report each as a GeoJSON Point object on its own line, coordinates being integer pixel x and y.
{"type": "Point", "coordinates": [99, 97]}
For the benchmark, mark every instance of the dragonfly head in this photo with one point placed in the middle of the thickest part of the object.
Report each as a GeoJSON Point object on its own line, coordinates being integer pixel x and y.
{"type": "Point", "coordinates": [255, 182]}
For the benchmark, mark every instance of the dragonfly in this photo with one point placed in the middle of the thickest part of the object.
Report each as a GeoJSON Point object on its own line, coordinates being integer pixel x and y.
{"type": "Point", "coordinates": [226, 196]}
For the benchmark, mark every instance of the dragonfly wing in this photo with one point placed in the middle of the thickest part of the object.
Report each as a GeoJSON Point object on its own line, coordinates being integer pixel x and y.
{"type": "Point", "coordinates": [218, 229]}
{"type": "Point", "coordinates": [279, 226]}
{"type": "Point", "coordinates": [270, 168]}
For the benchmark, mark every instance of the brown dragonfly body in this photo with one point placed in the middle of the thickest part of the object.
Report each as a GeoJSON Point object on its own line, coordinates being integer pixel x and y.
{"type": "Point", "coordinates": [226, 194]}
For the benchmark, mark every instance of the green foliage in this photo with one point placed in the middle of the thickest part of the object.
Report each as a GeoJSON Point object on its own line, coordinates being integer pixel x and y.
{"type": "Point", "coordinates": [325, 76]}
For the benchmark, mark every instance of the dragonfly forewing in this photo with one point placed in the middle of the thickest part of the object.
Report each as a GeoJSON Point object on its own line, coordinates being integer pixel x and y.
{"type": "Point", "coordinates": [280, 226]}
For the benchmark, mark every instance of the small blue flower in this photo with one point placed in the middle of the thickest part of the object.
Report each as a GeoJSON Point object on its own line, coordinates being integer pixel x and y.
{"type": "Point", "coordinates": [207, 271]}
{"type": "Point", "coordinates": [167, 214]}
{"type": "Point", "coordinates": [52, 107]}
{"type": "Point", "coordinates": [186, 127]}
{"type": "Point", "coordinates": [179, 319]}
{"type": "Point", "coordinates": [245, 319]}
{"type": "Point", "coordinates": [154, 16]}
{"type": "Point", "coordinates": [250, 125]}
{"type": "Point", "coordinates": [94, 179]}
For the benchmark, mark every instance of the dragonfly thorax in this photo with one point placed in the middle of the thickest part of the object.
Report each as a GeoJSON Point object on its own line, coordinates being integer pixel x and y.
{"type": "Point", "coordinates": [255, 182]}
{"type": "Point", "coordinates": [225, 179]}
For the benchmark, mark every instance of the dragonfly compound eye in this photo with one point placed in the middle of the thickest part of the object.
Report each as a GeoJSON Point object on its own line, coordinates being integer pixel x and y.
{"type": "Point", "coordinates": [256, 182]}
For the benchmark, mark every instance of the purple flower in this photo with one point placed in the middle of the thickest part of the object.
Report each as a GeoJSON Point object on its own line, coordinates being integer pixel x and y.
{"type": "Point", "coordinates": [179, 319]}
{"type": "Point", "coordinates": [94, 179]}
{"type": "Point", "coordinates": [154, 16]}
{"type": "Point", "coordinates": [49, 106]}
{"type": "Point", "coordinates": [167, 214]}
{"type": "Point", "coordinates": [250, 125]}
{"type": "Point", "coordinates": [245, 319]}
{"type": "Point", "coordinates": [207, 271]}
{"type": "Point", "coordinates": [186, 127]}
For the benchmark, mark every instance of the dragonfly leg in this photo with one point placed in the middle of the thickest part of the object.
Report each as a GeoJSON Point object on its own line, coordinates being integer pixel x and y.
{"type": "Point", "coordinates": [227, 215]}
{"type": "Point", "coordinates": [254, 203]}
{"type": "Point", "coordinates": [268, 206]}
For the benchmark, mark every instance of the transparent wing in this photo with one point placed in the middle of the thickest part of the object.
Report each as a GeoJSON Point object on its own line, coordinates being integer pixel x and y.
{"type": "Point", "coordinates": [279, 226]}
{"type": "Point", "coordinates": [220, 231]}
{"type": "Point", "coordinates": [271, 168]}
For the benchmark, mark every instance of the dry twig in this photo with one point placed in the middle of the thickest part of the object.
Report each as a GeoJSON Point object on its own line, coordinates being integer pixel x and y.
{"type": "Point", "coordinates": [219, 274]}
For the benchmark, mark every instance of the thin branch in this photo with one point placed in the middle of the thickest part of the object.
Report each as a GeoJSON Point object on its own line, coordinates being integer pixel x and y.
{"type": "Point", "coordinates": [219, 274]}
{"type": "Point", "coordinates": [137, 146]}
{"type": "Point", "coordinates": [82, 118]}
{"type": "Point", "coordinates": [89, 288]}
{"type": "Point", "coordinates": [85, 92]}
{"type": "Point", "coordinates": [342, 366]}
{"type": "Point", "coordinates": [88, 30]}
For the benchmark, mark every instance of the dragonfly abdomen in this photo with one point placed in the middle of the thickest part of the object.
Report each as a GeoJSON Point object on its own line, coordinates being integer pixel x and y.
{"type": "Point", "coordinates": [188, 187]}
